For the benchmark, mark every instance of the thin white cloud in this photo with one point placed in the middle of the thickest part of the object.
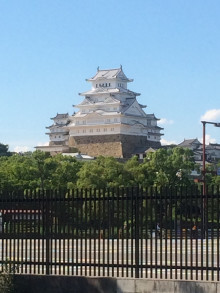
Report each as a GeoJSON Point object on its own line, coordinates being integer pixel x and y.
{"type": "Point", "coordinates": [42, 143]}
{"type": "Point", "coordinates": [164, 121]}
{"type": "Point", "coordinates": [208, 139]}
{"type": "Point", "coordinates": [211, 115]}
{"type": "Point", "coordinates": [21, 149]}
{"type": "Point", "coordinates": [166, 142]}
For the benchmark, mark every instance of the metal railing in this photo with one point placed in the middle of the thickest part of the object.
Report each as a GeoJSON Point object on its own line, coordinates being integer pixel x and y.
{"type": "Point", "coordinates": [170, 233]}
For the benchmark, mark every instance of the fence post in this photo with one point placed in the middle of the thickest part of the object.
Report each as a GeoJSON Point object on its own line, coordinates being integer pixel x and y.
{"type": "Point", "coordinates": [136, 232]}
{"type": "Point", "coordinates": [47, 232]}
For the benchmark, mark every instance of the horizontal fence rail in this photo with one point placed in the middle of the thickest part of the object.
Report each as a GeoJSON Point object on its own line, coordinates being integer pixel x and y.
{"type": "Point", "coordinates": [170, 233]}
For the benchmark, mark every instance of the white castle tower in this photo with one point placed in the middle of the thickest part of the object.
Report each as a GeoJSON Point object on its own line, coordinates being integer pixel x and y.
{"type": "Point", "coordinates": [110, 121]}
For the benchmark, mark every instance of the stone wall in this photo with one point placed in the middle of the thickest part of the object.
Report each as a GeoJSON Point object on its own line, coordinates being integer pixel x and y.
{"type": "Point", "coordinates": [68, 284]}
{"type": "Point", "coordinates": [117, 145]}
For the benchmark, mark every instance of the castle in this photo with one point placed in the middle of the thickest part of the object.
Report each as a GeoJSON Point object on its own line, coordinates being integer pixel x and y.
{"type": "Point", "coordinates": [109, 122]}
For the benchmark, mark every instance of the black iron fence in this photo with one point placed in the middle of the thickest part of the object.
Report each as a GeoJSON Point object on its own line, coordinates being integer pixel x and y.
{"type": "Point", "coordinates": [157, 233]}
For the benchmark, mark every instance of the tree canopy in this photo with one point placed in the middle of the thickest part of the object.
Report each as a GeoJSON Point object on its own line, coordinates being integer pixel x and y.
{"type": "Point", "coordinates": [40, 170]}
{"type": "Point", "coordinates": [4, 150]}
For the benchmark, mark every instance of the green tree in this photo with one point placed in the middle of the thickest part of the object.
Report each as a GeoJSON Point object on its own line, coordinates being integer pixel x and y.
{"type": "Point", "coordinates": [4, 150]}
{"type": "Point", "coordinates": [168, 167]}
{"type": "Point", "coordinates": [101, 173]}
{"type": "Point", "coordinates": [65, 174]}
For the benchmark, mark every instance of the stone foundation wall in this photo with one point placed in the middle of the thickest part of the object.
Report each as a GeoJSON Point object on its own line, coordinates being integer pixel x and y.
{"type": "Point", "coordinates": [130, 144]}
{"type": "Point", "coordinates": [77, 284]}
{"type": "Point", "coordinates": [98, 145]}
{"type": "Point", "coordinates": [117, 145]}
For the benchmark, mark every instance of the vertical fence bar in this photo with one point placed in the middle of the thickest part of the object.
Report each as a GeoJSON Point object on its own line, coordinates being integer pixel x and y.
{"type": "Point", "coordinates": [86, 228]}
{"type": "Point", "coordinates": [197, 226]}
{"type": "Point", "coordinates": [10, 233]}
{"type": "Point", "coordinates": [32, 216]}
{"type": "Point", "coordinates": [165, 194]}
{"type": "Point", "coordinates": [171, 231]}
{"type": "Point", "coordinates": [67, 232]}
{"type": "Point", "coordinates": [112, 229]}
{"type": "Point", "coordinates": [146, 226]}
{"type": "Point", "coordinates": [47, 231]}
{"type": "Point", "coordinates": [202, 231]}
{"type": "Point", "coordinates": [212, 233]}
{"type": "Point", "coordinates": [90, 232]}
{"type": "Point", "coordinates": [191, 235]}
{"type": "Point", "coordinates": [141, 228]}
{"type": "Point", "coordinates": [72, 231]}
{"type": "Point", "coordinates": [108, 232]}
{"type": "Point", "coordinates": [181, 231]}
{"type": "Point", "coordinates": [206, 207]}
{"type": "Point", "coordinates": [94, 237]}
{"type": "Point", "coordinates": [156, 223]}
{"type": "Point", "coordinates": [77, 232]}
{"type": "Point", "coordinates": [60, 232]}
{"type": "Point", "coordinates": [55, 231]}
{"type": "Point", "coordinates": [64, 223]}
{"type": "Point", "coordinates": [99, 233]}
{"type": "Point", "coordinates": [136, 232]}
{"type": "Point", "coordinates": [151, 232]}
{"type": "Point", "coordinates": [122, 230]}
{"type": "Point", "coordinates": [118, 231]}
{"type": "Point", "coordinates": [40, 229]}
{"type": "Point", "coordinates": [161, 207]}
{"type": "Point", "coordinates": [81, 200]}
{"type": "Point", "coordinates": [20, 216]}
{"type": "Point", "coordinates": [132, 232]}
{"type": "Point", "coordinates": [127, 230]}
{"type": "Point", "coordinates": [175, 228]}
{"type": "Point", "coordinates": [104, 218]}
{"type": "Point", "coordinates": [217, 240]}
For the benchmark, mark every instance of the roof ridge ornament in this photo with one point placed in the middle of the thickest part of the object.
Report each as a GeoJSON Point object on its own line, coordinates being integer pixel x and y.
{"type": "Point", "coordinates": [98, 68]}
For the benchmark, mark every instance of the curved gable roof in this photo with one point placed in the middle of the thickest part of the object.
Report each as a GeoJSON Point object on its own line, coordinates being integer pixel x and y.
{"type": "Point", "coordinates": [110, 74]}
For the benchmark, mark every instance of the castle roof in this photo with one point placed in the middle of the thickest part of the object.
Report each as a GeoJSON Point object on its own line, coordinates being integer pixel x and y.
{"type": "Point", "coordinates": [87, 101]}
{"type": "Point", "coordinates": [97, 111]}
{"type": "Point", "coordinates": [152, 116]}
{"type": "Point", "coordinates": [60, 116]}
{"type": "Point", "coordinates": [189, 142]}
{"type": "Point", "coordinates": [110, 74]}
{"type": "Point", "coordinates": [105, 90]}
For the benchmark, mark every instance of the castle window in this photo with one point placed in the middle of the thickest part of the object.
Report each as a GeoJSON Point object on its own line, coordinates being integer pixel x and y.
{"type": "Point", "coordinates": [105, 129]}
{"type": "Point", "coordinates": [115, 119]}
{"type": "Point", "coordinates": [109, 84]}
{"type": "Point", "coordinates": [112, 129]}
{"type": "Point", "coordinates": [90, 130]}
{"type": "Point", "coordinates": [97, 130]}
{"type": "Point", "coordinates": [106, 84]}
{"type": "Point", "coordinates": [108, 120]}
{"type": "Point", "coordinates": [84, 130]}
{"type": "Point", "coordinates": [96, 85]}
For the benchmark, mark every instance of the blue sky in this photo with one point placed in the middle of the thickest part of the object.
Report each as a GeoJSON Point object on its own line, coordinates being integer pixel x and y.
{"type": "Point", "coordinates": [49, 47]}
